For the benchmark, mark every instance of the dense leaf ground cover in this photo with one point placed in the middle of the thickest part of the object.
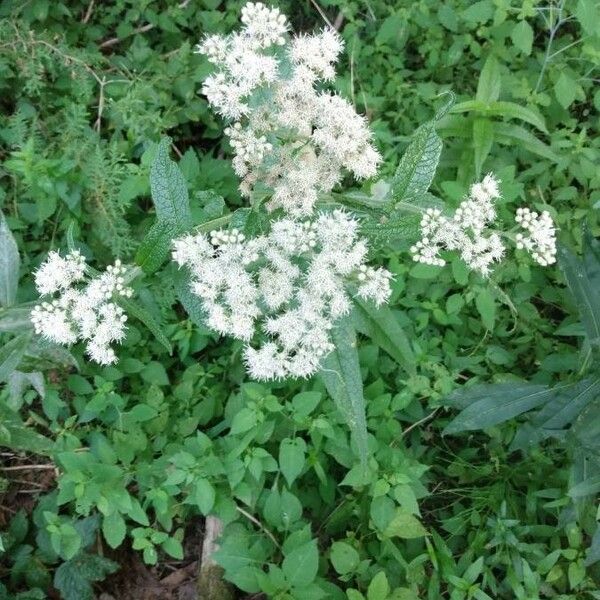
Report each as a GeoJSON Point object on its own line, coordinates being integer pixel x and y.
{"type": "Point", "coordinates": [134, 454]}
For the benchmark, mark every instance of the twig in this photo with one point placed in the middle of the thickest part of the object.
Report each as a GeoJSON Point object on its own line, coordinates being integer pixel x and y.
{"type": "Point", "coordinates": [259, 524]}
{"type": "Point", "coordinates": [143, 29]}
{"type": "Point", "coordinates": [115, 40]}
{"type": "Point", "coordinates": [419, 422]}
{"type": "Point", "coordinates": [24, 467]}
{"type": "Point", "coordinates": [320, 11]}
{"type": "Point", "coordinates": [339, 21]}
{"type": "Point", "coordinates": [88, 12]}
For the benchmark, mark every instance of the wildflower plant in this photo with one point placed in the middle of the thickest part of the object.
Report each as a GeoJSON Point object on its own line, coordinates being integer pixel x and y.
{"type": "Point", "coordinates": [290, 275]}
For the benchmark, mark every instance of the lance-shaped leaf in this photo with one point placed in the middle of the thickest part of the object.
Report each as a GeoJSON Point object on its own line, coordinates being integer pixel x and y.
{"type": "Point", "coordinates": [487, 405]}
{"type": "Point", "coordinates": [583, 278]}
{"type": "Point", "coordinates": [171, 202]}
{"type": "Point", "coordinates": [341, 375]}
{"type": "Point", "coordinates": [141, 314]}
{"type": "Point", "coordinates": [11, 354]}
{"type": "Point", "coordinates": [382, 326]}
{"type": "Point", "coordinates": [417, 166]}
{"type": "Point", "coordinates": [9, 264]}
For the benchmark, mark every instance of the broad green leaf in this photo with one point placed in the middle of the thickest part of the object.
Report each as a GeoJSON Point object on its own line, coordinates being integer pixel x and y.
{"type": "Point", "coordinates": [404, 525]}
{"type": "Point", "coordinates": [483, 138]}
{"type": "Point", "coordinates": [487, 405]}
{"type": "Point", "coordinates": [204, 495]}
{"type": "Point", "coordinates": [342, 378]}
{"type": "Point", "coordinates": [486, 306]}
{"type": "Point", "coordinates": [588, 15]}
{"type": "Point", "coordinates": [140, 313]}
{"type": "Point", "coordinates": [173, 547]}
{"type": "Point", "coordinates": [383, 328]}
{"type": "Point", "coordinates": [344, 557]}
{"type": "Point", "coordinates": [156, 246]}
{"type": "Point", "coordinates": [567, 404]}
{"type": "Point", "coordinates": [417, 166]}
{"type": "Point", "coordinates": [488, 86]}
{"type": "Point", "coordinates": [114, 529]}
{"type": "Point", "coordinates": [583, 278]}
{"type": "Point", "coordinates": [291, 458]}
{"type": "Point", "coordinates": [73, 578]}
{"type": "Point", "coordinates": [11, 354]}
{"type": "Point", "coordinates": [565, 90]}
{"type": "Point", "coordinates": [300, 566]}
{"type": "Point", "coordinates": [522, 37]}
{"type": "Point", "coordinates": [169, 190]}
{"type": "Point", "coordinates": [379, 588]}
{"type": "Point", "coordinates": [9, 264]}
{"type": "Point", "coordinates": [585, 488]}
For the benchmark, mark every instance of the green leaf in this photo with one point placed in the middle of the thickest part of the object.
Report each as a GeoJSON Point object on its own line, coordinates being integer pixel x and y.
{"type": "Point", "coordinates": [508, 110]}
{"type": "Point", "coordinates": [583, 279]}
{"type": "Point", "coordinates": [291, 458]}
{"type": "Point", "coordinates": [585, 488]}
{"type": "Point", "coordinates": [140, 313]}
{"type": "Point", "coordinates": [522, 37]}
{"type": "Point", "coordinates": [379, 588]}
{"type": "Point", "coordinates": [567, 404]}
{"type": "Point", "coordinates": [300, 566]}
{"type": "Point", "coordinates": [169, 190]}
{"type": "Point", "coordinates": [515, 135]}
{"type": "Point", "coordinates": [486, 306]}
{"type": "Point", "coordinates": [156, 246]}
{"type": "Point", "coordinates": [9, 264]}
{"type": "Point", "coordinates": [73, 578]}
{"type": "Point", "coordinates": [204, 495]}
{"type": "Point", "coordinates": [114, 529]}
{"type": "Point", "coordinates": [342, 378]}
{"type": "Point", "coordinates": [404, 525]}
{"type": "Point", "coordinates": [15, 319]}
{"type": "Point", "coordinates": [381, 325]}
{"type": "Point", "coordinates": [483, 138]}
{"type": "Point", "coordinates": [489, 84]}
{"type": "Point", "coordinates": [171, 202]}
{"type": "Point", "coordinates": [344, 557]}
{"type": "Point", "coordinates": [487, 405]}
{"type": "Point", "coordinates": [417, 166]}
{"type": "Point", "coordinates": [11, 354]}
{"type": "Point", "coordinates": [588, 16]}
{"type": "Point", "coordinates": [565, 90]}
{"type": "Point", "coordinates": [173, 547]}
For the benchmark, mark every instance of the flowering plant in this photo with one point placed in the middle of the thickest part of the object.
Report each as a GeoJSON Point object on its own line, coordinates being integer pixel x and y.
{"type": "Point", "coordinates": [284, 274]}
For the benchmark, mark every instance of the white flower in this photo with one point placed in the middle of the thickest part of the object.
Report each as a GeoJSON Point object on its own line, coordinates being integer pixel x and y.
{"type": "Point", "coordinates": [288, 136]}
{"type": "Point", "coordinates": [467, 231]}
{"type": "Point", "coordinates": [58, 273]}
{"type": "Point", "coordinates": [264, 26]}
{"type": "Point", "coordinates": [539, 238]}
{"type": "Point", "coordinates": [281, 293]}
{"type": "Point", "coordinates": [83, 313]}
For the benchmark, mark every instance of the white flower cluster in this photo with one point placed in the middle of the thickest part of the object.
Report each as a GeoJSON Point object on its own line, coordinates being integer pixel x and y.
{"type": "Point", "coordinates": [467, 231]}
{"type": "Point", "coordinates": [288, 287]}
{"type": "Point", "coordinates": [292, 137]}
{"type": "Point", "coordinates": [85, 312]}
{"type": "Point", "coordinates": [539, 238]}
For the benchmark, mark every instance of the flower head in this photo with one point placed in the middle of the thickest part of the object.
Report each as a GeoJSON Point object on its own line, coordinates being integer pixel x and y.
{"type": "Point", "coordinates": [288, 135]}
{"type": "Point", "coordinates": [282, 292]}
{"type": "Point", "coordinates": [86, 312]}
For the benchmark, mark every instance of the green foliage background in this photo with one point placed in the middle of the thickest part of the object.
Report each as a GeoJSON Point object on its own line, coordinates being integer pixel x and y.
{"type": "Point", "coordinates": [87, 91]}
